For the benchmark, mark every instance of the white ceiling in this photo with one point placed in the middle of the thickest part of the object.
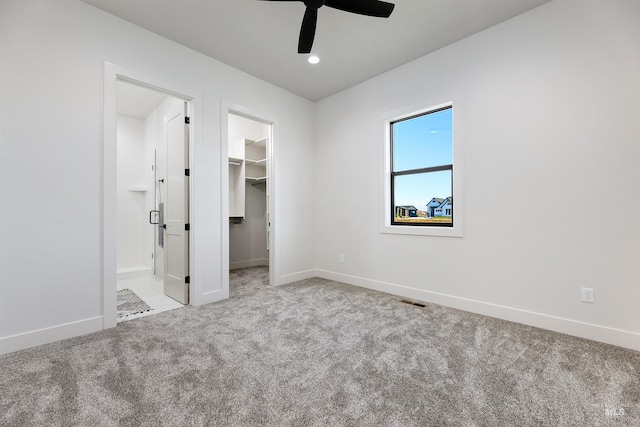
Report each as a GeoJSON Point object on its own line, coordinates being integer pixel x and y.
{"type": "Point", "coordinates": [261, 37]}
{"type": "Point", "coordinates": [136, 101]}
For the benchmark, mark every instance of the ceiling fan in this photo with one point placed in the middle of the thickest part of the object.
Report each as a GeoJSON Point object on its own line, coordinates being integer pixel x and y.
{"type": "Point", "coordinates": [376, 8]}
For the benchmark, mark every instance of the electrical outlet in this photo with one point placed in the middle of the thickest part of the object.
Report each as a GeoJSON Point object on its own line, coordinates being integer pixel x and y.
{"type": "Point", "coordinates": [587, 295]}
{"type": "Point", "coordinates": [341, 258]}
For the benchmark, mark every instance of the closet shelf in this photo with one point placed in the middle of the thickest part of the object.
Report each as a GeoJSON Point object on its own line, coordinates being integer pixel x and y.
{"type": "Point", "coordinates": [255, 162]}
{"type": "Point", "coordinates": [235, 161]}
{"type": "Point", "coordinates": [248, 164]}
{"type": "Point", "coordinates": [256, 179]}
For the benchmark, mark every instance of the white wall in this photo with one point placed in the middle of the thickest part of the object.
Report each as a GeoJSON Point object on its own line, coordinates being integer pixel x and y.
{"type": "Point", "coordinates": [247, 128]}
{"type": "Point", "coordinates": [134, 247]}
{"type": "Point", "coordinates": [549, 109]}
{"type": "Point", "coordinates": [52, 58]}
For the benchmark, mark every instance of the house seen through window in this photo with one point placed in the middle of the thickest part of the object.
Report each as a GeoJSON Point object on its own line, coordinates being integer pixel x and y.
{"type": "Point", "coordinates": [422, 169]}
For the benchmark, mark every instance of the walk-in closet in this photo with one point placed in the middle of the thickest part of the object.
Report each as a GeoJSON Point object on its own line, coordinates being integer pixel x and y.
{"type": "Point", "coordinates": [249, 172]}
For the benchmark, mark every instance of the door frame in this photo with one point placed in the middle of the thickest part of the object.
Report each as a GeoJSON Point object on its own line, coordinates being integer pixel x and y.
{"type": "Point", "coordinates": [112, 75]}
{"type": "Point", "coordinates": [272, 181]}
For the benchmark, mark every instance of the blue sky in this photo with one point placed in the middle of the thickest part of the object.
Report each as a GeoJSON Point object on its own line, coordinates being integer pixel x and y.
{"type": "Point", "coordinates": [418, 143]}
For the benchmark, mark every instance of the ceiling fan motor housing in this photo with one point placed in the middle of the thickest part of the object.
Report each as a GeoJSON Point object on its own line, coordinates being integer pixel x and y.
{"type": "Point", "coordinates": [314, 4]}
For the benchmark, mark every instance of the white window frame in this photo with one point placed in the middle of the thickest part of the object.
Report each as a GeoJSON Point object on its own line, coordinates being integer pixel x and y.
{"type": "Point", "coordinates": [458, 168]}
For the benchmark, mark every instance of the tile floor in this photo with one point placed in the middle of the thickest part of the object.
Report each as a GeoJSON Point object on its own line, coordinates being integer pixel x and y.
{"type": "Point", "coordinates": [149, 289]}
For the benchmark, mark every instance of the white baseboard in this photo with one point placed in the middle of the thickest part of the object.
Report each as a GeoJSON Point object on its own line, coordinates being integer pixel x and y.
{"type": "Point", "coordinates": [258, 262]}
{"type": "Point", "coordinates": [294, 277]}
{"type": "Point", "coordinates": [132, 273]}
{"type": "Point", "coordinates": [48, 335]}
{"type": "Point", "coordinates": [576, 328]}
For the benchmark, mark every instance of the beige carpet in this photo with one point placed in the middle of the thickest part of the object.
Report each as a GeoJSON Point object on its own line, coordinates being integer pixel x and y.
{"type": "Point", "coordinates": [319, 353]}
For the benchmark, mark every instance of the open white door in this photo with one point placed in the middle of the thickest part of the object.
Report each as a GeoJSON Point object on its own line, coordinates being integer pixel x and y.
{"type": "Point", "coordinates": [176, 242]}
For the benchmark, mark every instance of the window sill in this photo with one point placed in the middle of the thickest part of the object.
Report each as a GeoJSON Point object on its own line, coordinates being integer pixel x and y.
{"type": "Point", "coordinates": [422, 231]}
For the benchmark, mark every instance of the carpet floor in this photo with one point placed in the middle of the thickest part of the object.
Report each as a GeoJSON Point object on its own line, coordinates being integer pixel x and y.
{"type": "Point", "coordinates": [319, 352]}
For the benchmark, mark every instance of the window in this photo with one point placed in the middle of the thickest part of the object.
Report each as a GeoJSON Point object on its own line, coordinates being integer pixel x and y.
{"type": "Point", "coordinates": [421, 169]}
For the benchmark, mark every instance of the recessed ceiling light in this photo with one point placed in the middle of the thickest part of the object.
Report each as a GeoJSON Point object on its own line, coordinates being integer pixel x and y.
{"type": "Point", "coordinates": [313, 59]}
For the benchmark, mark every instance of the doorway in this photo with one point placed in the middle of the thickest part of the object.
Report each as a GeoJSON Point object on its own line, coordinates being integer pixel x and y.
{"type": "Point", "coordinates": [250, 208]}
{"type": "Point", "coordinates": [152, 201]}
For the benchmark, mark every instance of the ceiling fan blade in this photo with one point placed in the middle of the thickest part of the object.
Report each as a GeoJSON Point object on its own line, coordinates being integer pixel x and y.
{"type": "Point", "coordinates": [308, 30]}
{"type": "Point", "coordinates": [381, 9]}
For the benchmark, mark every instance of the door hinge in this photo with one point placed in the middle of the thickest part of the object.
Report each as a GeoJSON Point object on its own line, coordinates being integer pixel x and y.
{"type": "Point", "coordinates": [187, 172]}
{"type": "Point", "coordinates": [187, 120]}
{"type": "Point", "coordinates": [187, 227]}
{"type": "Point", "coordinates": [187, 279]}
